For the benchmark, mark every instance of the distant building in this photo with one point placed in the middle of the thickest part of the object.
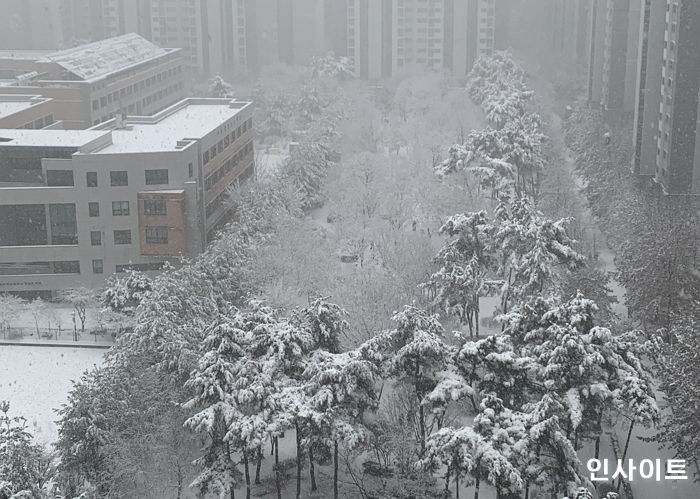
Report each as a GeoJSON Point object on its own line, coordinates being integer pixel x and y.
{"type": "Point", "coordinates": [386, 36]}
{"type": "Point", "coordinates": [649, 86]}
{"type": "Point", "coordinates": [678, 151]}
{"type": "Point", "coordinates": [613, 57]}
{"type": "Point", "coordinates": [78, 205]}
{"type": "Point", "coordinates": [27, 112]}
{"type": "Point", "coordinates": [93, 83]}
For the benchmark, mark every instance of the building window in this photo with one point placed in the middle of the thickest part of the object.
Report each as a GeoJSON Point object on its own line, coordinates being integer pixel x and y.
{"type": "Point", "coordinates": [156, 235]}
{"type": "Point", "coordinates": [91, 178]}
{"type": "Point", "coordinates": [120, 208]}
{"type": "Point", "coordinates": [97, 267]}
{"type": "Point", "coordinates": [118, 179]}
{"type": "Point", "coordinates": [94, 209]}
{"type": "Point", "coordinates": [156, 177]}
{"type": "Point", "coordinates": [96, 238]}
{"type": "Point", "coordinates": [190, 170]}
{"type": "Point", "coordinates": [122, 237]}
{"type": "Point", "coordinates": [154, 207]}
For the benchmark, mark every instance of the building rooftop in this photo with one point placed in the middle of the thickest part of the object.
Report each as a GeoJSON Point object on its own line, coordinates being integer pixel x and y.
{"type": "Point", "coordinates": [11, 104]}
{"type": "Point", "coordinates": [169, 130]}
{"type": "Point", "coordinates": [50, 138]}
{"type": "Point", "coordinates": [100, 59]}
{"type": "Point", "coordinates": [187, 120]}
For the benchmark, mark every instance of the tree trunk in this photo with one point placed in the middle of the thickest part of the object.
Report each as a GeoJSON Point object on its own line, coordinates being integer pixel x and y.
{"type": "Point", "coordinates": [278, 484]}
{"type": "Point", "coordinates": [476, 485]}
{"type": "Point", "coordinates": [477, 312]}
{"type": "Point", "coordinates": [457, 484]}
{"type": "Point", "coordinates": [335, 470]}
{"type": "Point", "coordinates": [258, 465]}
{"type": "Point", "coordinates": [299, 457]}
{"type": "Point", "coordinates": [447, 482]}
{"type": "Point", "coordinates": [527, 490]}
{"type": "Point", "coordinates": [596, 453]}
{"type": "Point", "coordinates": [247, 473]}
{"type": "Point", "coordinates": [312, 469]}
{"type": "Point", "coordinates": [624, 452]}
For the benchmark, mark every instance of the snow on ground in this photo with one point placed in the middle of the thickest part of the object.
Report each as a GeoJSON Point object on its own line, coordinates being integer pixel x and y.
{"type": "Point", "coordinates": [36, 380]}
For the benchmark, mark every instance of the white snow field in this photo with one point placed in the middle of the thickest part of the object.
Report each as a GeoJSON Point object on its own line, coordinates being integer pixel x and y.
{"type": "Point", "coordinates": [36, 380]}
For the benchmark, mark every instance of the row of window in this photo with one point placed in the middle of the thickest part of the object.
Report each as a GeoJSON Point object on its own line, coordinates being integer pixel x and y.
{"type": "Point", "coordinates": [154, 235]}
{"type": "Point", "coordinates": [121, 208]}
{"type": "Point", "coordinates": [38, 124]}
{"type": "Point", "coordinates": [228, 165]}
{"type": "Point", "coordinates": [121, 178]}
{"type": "Point", "coordinates": [229, 139]}
{"type": "Point", "coordinates": [123, 92]}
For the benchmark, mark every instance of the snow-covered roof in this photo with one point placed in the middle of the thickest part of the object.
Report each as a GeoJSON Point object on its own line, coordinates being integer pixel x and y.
{"type": "Point", "coordinates": [11, 104]}
{"type": "Point", "coordinates": [188, 119]}
{"type": "Point", "coordinates": [100, 59]}
{"type": "Point", "coordinates": [49, 138]}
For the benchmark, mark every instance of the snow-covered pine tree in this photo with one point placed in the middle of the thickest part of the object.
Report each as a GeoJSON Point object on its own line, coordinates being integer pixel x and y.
{"type": "Point", "coordinates": [416, 355]}
{"type": "Point", "coordinates": [340, 388]}
{"type": "Point", "coordinates": [462, 279]}
{"type": "Point", "coordinates": [213, 383]}
{"type": "Point", "coordinates": [529, 247]}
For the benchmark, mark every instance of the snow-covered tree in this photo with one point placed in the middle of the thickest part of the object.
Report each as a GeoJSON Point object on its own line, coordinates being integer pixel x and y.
{"type": "Point", "coordinates": [218, 87]}
{"type": "Point", "coordinates": [25, 467]}
{"type": "Point", "coordinates": [416, 355]}
{"type": "Point", "coordinates": [529, 247]}
{"type": "Point", "coordinates": [10, 308]}
{"type": "Point", "coordinates": [213, 382]}
{"type": "Point", "coordinates": [81, 299]}
{"type": "Point", "coordinates": [332, 66]}
{"type": "Point", "coordinates": [37, 309]}
{"type": "Point", "coordinates": [306, 169]}
{"type": "Point", "coordinates": [463, 277]}
{"type": "Point", "coordinates": [123, 295]}
{"type": "Point", "coordinates": [679, 374]}
{"type": "Point", "coordinates": [340, 388]}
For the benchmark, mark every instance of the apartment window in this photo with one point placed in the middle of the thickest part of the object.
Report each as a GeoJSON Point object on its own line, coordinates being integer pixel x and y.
{"type": "Point", "coordinates": [97, 267]}
{"type": "Point", "coordinates": [156, 177]}
{"type": "Point", "coordinates": [96, 238]}
{"type": "Point", "coordinates": [120, 208]}
{"type": "Point", "coordinates": [91, 178]}
{"type": "Point", "coordinates": [154, 207]}
{"type": "Point", "coordinates": [156, 235]}
{"type": "Point", "coordinates": [95, 105]}
{"type": "Point", "coordinates": [118, 178]}
{"type": "Point", "coordinates": [122, 237]}
{"type": "Point", "coordinates": [190, 170]}
{"type": "Point", "coordinates": [94, 209]}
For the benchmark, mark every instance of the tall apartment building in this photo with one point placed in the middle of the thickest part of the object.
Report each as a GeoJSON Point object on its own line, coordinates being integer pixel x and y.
{"type": "Point", "coordinates": [93, 83]}
{"type": "Point", "coordinates": [678, 154]}
{"type": "Point", "coordinates": [649, 86]}
{"type": "Point", "coordinates": [79, 205]}
{"type": "Point", "coordinates": [386, 36]}
{"type": "Point", "coordinates": [613, 57]}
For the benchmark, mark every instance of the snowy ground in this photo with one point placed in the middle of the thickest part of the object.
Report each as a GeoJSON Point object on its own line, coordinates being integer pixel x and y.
{"type": "Point", "coordinates": [36, 380]}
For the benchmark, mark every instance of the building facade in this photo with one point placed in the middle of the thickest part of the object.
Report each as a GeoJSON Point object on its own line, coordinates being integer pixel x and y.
{"type": "Point", "coordinates": [614, 29]}
{"type": "Point", "coordinates": [93, 83]}
{"type": "Point", "coordinates": [678, 151]}
{"type": "Point", "coordinates": [387, 36]}
{"type": "Point", "coordinates": [134, 193]}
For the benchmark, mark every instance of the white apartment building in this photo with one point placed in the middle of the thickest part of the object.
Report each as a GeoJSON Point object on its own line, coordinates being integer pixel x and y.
{"type": "Point", "coordinates": [385, 36]}
{"type": "Point", "coordinates": [79, 205]}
